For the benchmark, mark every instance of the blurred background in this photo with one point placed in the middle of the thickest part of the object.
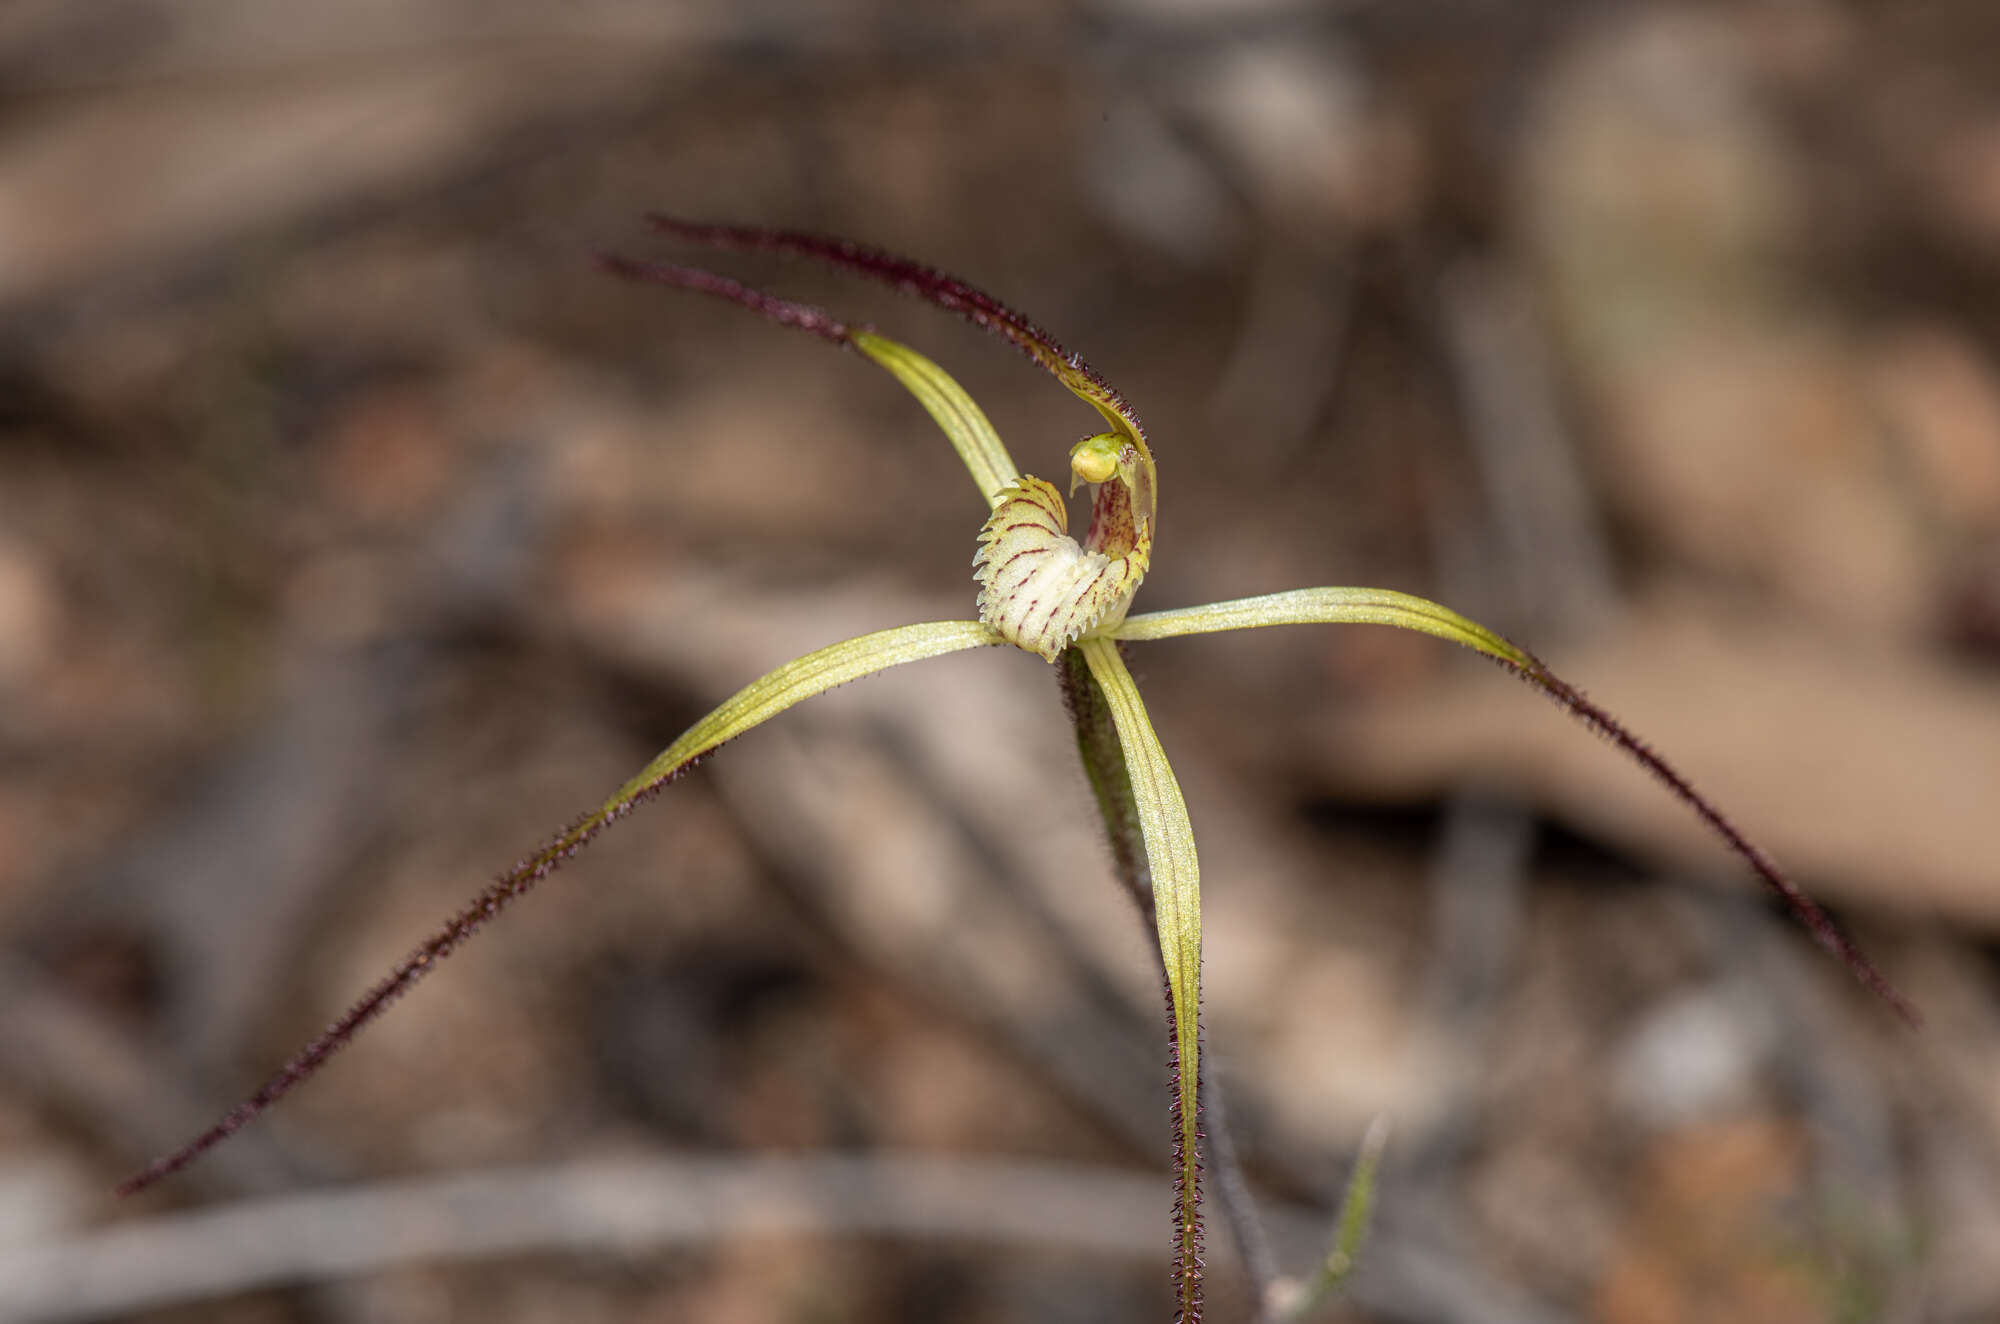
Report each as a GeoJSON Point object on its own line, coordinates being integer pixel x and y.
{"type": "Point", "coordinates": [355, 534]}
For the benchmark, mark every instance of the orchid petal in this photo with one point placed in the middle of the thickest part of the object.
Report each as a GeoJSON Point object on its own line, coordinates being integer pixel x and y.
{"type": "Point", "coordinates": [1325, 606]}
{"type": "Point", "coordinates": [799, 679]}
{"type": "Point", "coordinates": [1374, 606]}
{"type": "Point", "coordinates": [970, 302]}
{"type": "Point", "coordinates": [965, 425]}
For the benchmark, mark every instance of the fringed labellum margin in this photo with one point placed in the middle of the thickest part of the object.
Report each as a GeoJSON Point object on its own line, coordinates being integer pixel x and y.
{"type": "Point", "coordinates": [1039, 588]}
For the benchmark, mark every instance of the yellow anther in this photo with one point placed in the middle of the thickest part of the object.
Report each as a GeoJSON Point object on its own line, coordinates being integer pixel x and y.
{"type": "Point", "coordinates": [1095, 459]}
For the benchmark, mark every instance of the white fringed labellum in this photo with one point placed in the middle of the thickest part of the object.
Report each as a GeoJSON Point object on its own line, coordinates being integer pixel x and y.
{"type": "Point", "coordinates": [1038, 588]}
{"type": "Point", "coordinates": [1041, 589]}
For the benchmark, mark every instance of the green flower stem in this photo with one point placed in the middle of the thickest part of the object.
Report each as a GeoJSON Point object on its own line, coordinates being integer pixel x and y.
{"type": "Point", "coordinates": [1176, 877]}
{"type": "Point", "coordinates": [964, 422]}
{"type": "Point", "coordinates": [1350, 1229]}
{"type": "Point", "coordinates": [799, 679]}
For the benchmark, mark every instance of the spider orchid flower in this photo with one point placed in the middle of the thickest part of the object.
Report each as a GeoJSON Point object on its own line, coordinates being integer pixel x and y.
{"type": "Point", "coordinates": [1065, 600]}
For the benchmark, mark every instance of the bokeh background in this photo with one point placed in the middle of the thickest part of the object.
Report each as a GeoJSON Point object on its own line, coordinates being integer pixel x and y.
{"type": "Point", "coordinates": [355, 532]}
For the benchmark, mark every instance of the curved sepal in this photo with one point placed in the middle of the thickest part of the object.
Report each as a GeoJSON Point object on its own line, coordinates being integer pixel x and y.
{"type": "Point", "coordinates": [963, 422]}
{"type": "Point", "coordinates": [762, 699]}
{"type": "Point", "coordinates": [1374, 606]}
{"type": "Point", "coordinates": [1176, 875]}
{"type": "Point", "coordinates": [970, 302]}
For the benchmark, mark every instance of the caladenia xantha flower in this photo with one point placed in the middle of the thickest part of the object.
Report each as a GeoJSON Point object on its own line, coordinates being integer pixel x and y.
{"type": "Point", "coordinates": [1064, 599]}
